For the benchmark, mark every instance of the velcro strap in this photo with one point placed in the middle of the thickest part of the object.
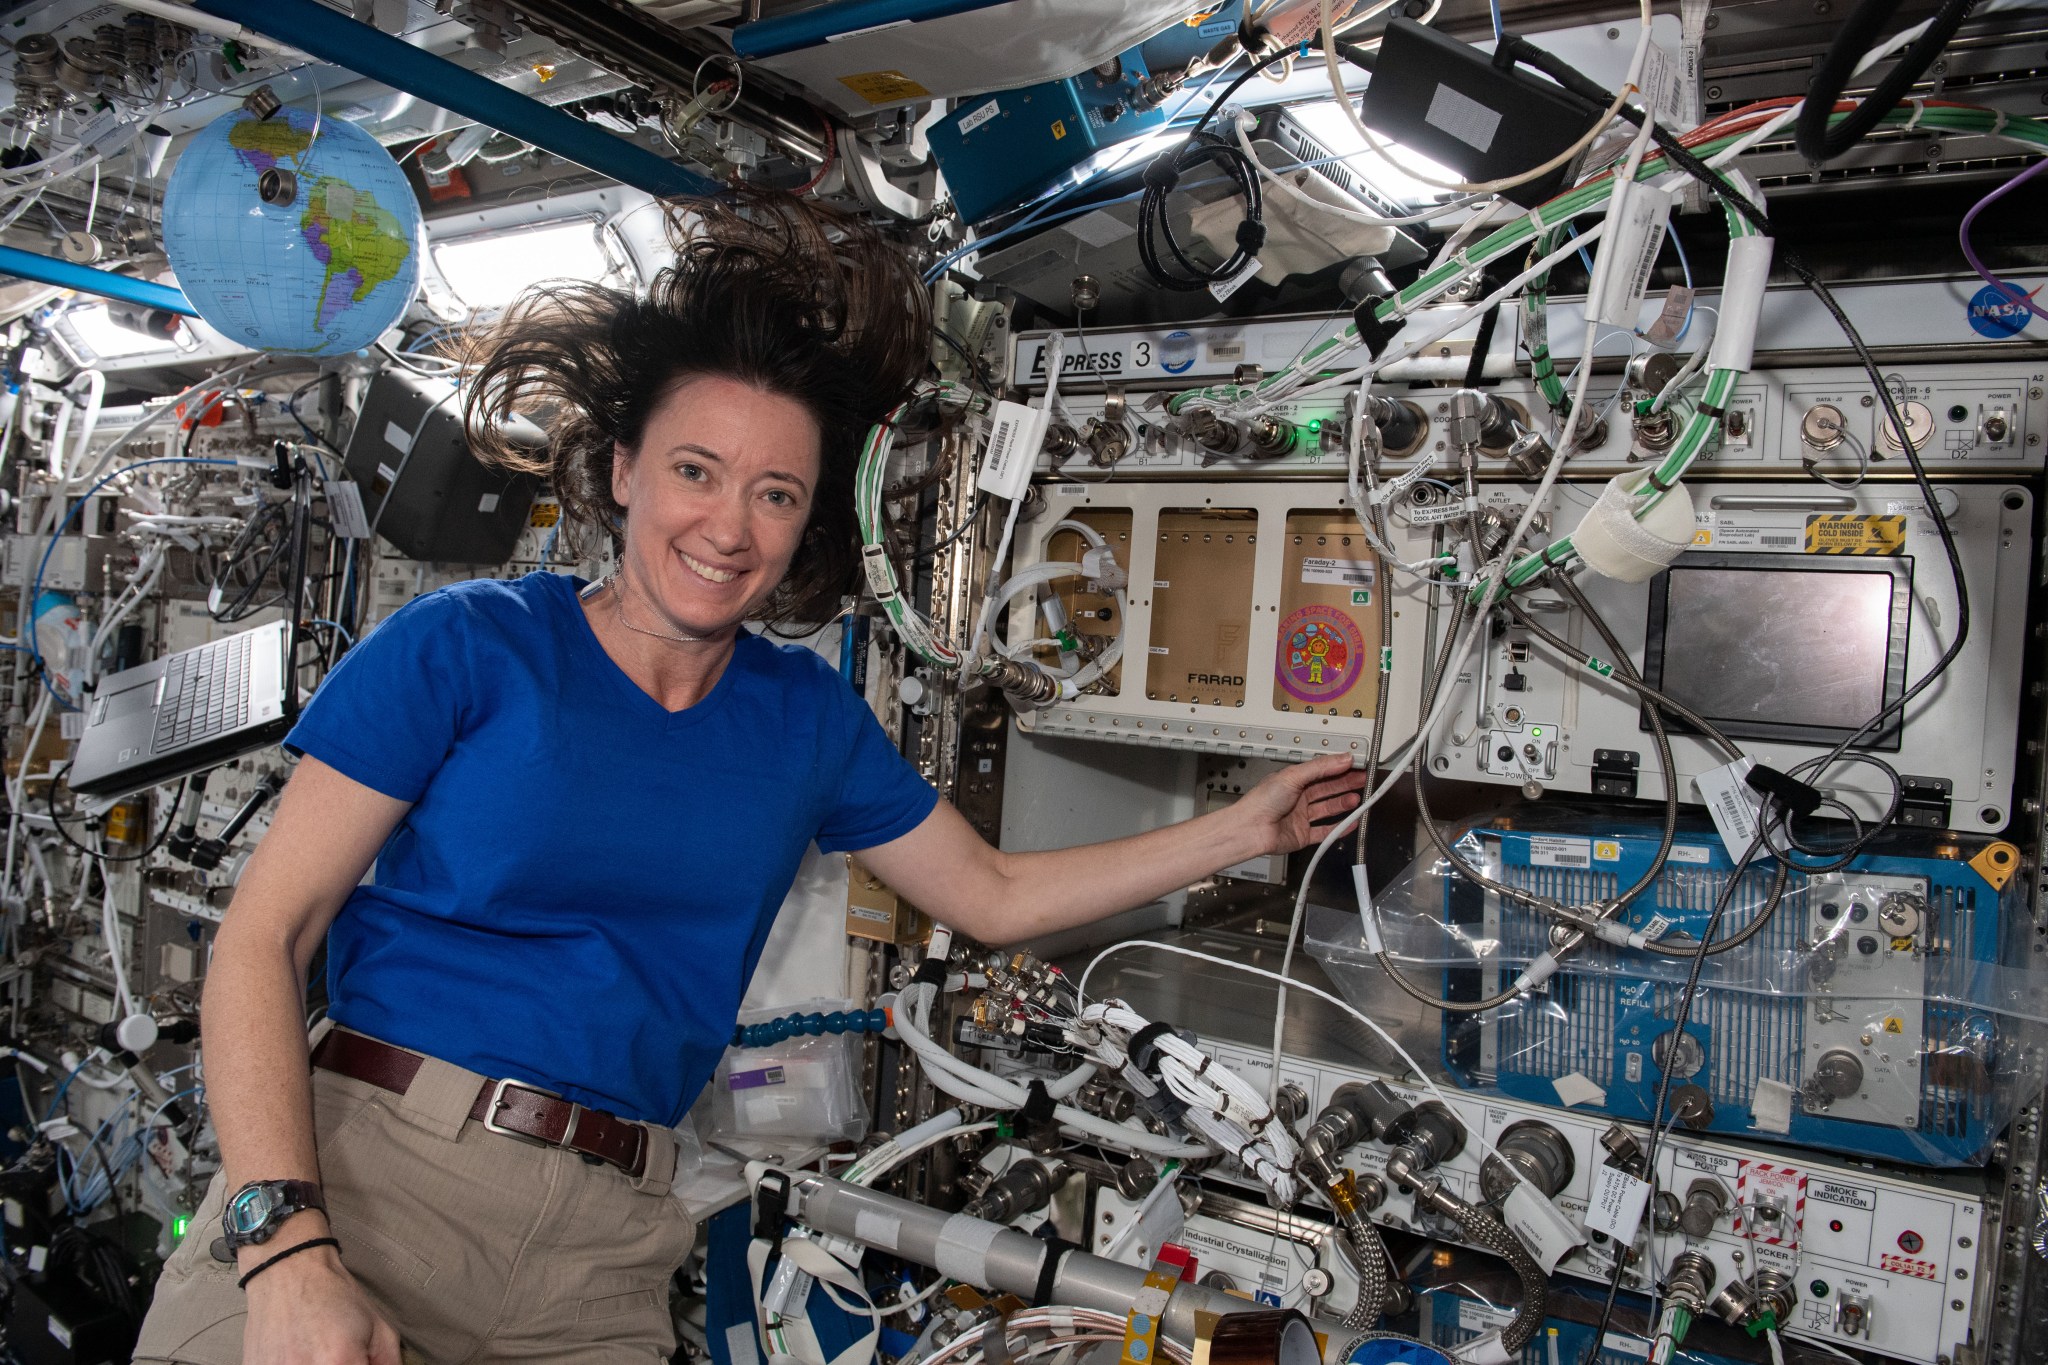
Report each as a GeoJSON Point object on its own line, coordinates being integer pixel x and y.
{"type": "Point", "coordinates": [930, 972]}
{"type": "Point", "coordinates": [1162, 175]}
{"type": "Point", "coordinates": [1049, 1269]}
{"type": "Point", "coordinates": [1371, 331]}
{"type": "Point", "coordinates": [1794, 794]}
{"type": "Point", "coordinates": [1143, 1055]}
{"type": "Point", "coordinates": [1038, 1106]}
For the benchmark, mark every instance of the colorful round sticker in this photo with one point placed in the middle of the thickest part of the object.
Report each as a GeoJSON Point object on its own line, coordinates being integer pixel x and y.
{"type": "Point", "coordinates": [1321, 652]}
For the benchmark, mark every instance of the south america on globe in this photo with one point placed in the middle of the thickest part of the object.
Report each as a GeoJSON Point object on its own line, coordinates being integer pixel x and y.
{"type": "Point", "coordinates": [328, 270]}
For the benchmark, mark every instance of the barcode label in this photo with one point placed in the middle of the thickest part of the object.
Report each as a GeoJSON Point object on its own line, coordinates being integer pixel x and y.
{"type": "Point", "coordinates": [1549, 850]}
{"type": "Point", "coordinates": [1731, 803]}
{"type": "Point", "coordinates": [1012, 445]}
{"type": "Point", "coordinates": [1779, 538]}
{"type": "Point", "coordinates": [1635, 242]}
{"type": "Point", "coordinates": [1343, 573]}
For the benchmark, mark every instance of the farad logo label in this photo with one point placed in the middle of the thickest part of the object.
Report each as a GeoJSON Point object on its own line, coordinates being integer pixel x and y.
{"type": "Point", "coordinates": [2001, 311]}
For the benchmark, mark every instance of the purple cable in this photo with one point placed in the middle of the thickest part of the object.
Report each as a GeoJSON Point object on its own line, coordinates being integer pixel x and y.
{"type": "Point", "coordinates": [2011, 292]}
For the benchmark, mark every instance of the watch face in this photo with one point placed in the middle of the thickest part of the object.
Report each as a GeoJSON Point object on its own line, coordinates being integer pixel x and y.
{"type": "Point", "coordinates": [250, 1209]}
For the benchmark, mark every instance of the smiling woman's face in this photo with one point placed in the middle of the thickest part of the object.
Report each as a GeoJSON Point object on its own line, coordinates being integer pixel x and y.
{"type": "Point", "coordinates": [716, 501]}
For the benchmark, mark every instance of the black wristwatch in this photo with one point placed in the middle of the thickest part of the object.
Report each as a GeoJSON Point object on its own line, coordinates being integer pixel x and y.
{"type": "Point", "coordinates": [255, 1211]}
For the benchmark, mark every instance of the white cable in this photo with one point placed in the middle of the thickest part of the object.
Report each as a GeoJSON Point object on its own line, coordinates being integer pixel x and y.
{"type": "Point", "coordinates": [207, 23]}
{"type": "Point", "coordinates": [967, 1082]}
{"type": "Point", "coordinates": [1251, 405]}
{"type": "Point", "coordinates": [1414, 1067]}
{"type": "Point", "coordinates": [110, 930]}
{"type": "Point", "coordinates": [1055, 355]}
{"type": "Point", "coordinates": [96, 392]}
{"type": "Point", "coordinates": [1396, 766]}
{"type": "Point", "coordinates": [1052, 571]}
{"type": "Point", "coordinates": [1220, 1105]}
{"type": "Point", "coordinates": [1693, 362]}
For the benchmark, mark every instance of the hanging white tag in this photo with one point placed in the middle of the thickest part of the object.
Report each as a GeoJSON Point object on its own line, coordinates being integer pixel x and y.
{"type": "Point", "coordinates": [345, 510]}
{"type": "Point", "coordinates": [1618, 1202]}
{"type": "Point", "coordinates": [1663, 88]}
{"type": "Point", "coordinates": [1230, 284]}
{"type": "Point", "coordinates": [1732, 804]}
{"type": "Point", "coordinates": [1633, 243]}
{"type": "Point", "coordinates": [1544, 1230]}
{"type": "Point", "coordinates": [1013, 442]}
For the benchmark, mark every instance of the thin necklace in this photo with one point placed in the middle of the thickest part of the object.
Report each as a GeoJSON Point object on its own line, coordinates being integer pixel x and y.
{"type": "Point", "coordinates": [619, 593]}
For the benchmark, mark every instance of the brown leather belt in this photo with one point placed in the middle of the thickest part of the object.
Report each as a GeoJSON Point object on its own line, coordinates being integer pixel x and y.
{"type": "Point", "coordinates": [510, 1107]}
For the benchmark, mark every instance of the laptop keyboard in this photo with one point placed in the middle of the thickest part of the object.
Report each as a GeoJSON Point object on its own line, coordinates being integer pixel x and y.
{"type": "Point", "coordinates": [206, 693]}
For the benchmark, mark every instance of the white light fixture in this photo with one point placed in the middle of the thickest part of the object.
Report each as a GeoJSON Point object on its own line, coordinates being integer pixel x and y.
{"type": "Point", "coordinates": [108, 339]}
{"type": "Point", "coordinates": [489, 271]}
{"type": "Point", "coordinates": [1327, 124]}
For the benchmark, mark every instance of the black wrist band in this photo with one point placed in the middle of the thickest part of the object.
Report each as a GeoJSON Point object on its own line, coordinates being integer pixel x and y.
{"type": "Point", "coordinates": [243, 1283]}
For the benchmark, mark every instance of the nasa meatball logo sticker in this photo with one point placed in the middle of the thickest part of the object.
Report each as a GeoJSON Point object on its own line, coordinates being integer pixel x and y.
{"type": "Point", "coordinates": [2000, 311]}
{"type": "Point", "coordinates": [1320, 654]}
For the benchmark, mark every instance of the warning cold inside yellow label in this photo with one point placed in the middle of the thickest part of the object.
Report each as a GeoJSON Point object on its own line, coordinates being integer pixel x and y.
{"type": "Point", "coordinates": [1855, 534]}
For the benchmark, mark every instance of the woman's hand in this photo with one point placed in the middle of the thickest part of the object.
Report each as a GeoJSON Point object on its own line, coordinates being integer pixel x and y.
{"type": "Point", "coordinates": [310, 1311]}
{"type": "Point", "coordinates": [1284, 807]}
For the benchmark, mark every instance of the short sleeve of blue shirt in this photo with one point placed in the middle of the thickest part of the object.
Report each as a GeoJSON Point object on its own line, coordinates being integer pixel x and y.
{"type": "Point", "coordinates": [570, 840]}
{"type": "Point", "coordinates": [390, 711]}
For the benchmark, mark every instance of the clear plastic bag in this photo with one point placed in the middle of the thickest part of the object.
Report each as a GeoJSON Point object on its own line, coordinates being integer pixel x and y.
{"type": "Point", "coordinates": [802, 1087]}
{"type": "Point", "coordinates": [1891, 1008]}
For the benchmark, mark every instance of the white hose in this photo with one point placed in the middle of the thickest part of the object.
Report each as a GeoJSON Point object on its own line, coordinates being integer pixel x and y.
{"type": "Point", "coordinates": [95, 396]}
{"type": "Point", "coordinates": [976, 1086]}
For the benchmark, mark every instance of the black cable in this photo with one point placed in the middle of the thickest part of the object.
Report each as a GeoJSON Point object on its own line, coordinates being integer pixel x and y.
{"type": "Point", "coordinates": [981, 502]}
{"type": "Point", "coordinates": [50, 796]}
{"type": "Point", "coordinates": [976, 366]}
{"type": "Point", "coordinates": [1680, 1017]}
{"type": "Point", "coordinates": [1161, 177]}
{"type": "Point", "coordinates": [1271, 59]}
{"type": "Point", "coordinates": [1682, 157]}
{"type": "Point", "coordinates": [1819, 141]}
{"type": "Point", "coordinates": [291, 407]}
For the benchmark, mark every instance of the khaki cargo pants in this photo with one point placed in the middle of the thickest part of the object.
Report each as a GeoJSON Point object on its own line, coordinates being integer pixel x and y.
{"type": "Point", "coordinates": [476, 1246]}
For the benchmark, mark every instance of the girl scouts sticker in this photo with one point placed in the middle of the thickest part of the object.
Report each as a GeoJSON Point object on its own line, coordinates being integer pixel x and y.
{"type": "Point", "coordinates": [1320, 650]}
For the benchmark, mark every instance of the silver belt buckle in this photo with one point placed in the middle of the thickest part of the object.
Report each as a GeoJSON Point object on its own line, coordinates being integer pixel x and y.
{"type": "Point", "coordinates": [490, 1118]}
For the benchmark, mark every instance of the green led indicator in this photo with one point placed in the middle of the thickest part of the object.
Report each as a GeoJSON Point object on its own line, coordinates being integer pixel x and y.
{"type": "Point", "coordinates": [1535, 732]}
{"type": "Point", "coordinates": [1315, 424]}
{"type": "Point", "coordinates": [179, 1226]}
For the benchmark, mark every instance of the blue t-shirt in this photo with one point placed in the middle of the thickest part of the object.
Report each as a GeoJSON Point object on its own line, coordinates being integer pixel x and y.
{"type": "Point", "coordinates": [580, 892]}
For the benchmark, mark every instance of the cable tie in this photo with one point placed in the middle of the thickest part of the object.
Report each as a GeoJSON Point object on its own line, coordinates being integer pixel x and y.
{"type": "Point", "coordinates": [1709, 410]}
{"type": "Point", "coordinates": [1536, 217]}
{"type": "Point", "coordinates": [1998, 122]}
{"type": "Point", "coordinates": [1919, 104]}
{"type": "Point", "coordinates": [1659, 484]}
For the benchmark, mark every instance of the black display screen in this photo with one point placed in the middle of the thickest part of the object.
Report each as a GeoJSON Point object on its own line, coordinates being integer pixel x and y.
{"type": "Point", "coordinates": [1771, 646]}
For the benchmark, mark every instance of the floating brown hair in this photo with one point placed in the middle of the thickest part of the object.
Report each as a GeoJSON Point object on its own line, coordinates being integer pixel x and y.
{"type": "Point", "coordinates": [788, 296]}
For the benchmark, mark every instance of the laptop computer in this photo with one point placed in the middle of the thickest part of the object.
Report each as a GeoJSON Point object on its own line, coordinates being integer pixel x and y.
{"type": "Point", "coordinates": [186, 712]}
